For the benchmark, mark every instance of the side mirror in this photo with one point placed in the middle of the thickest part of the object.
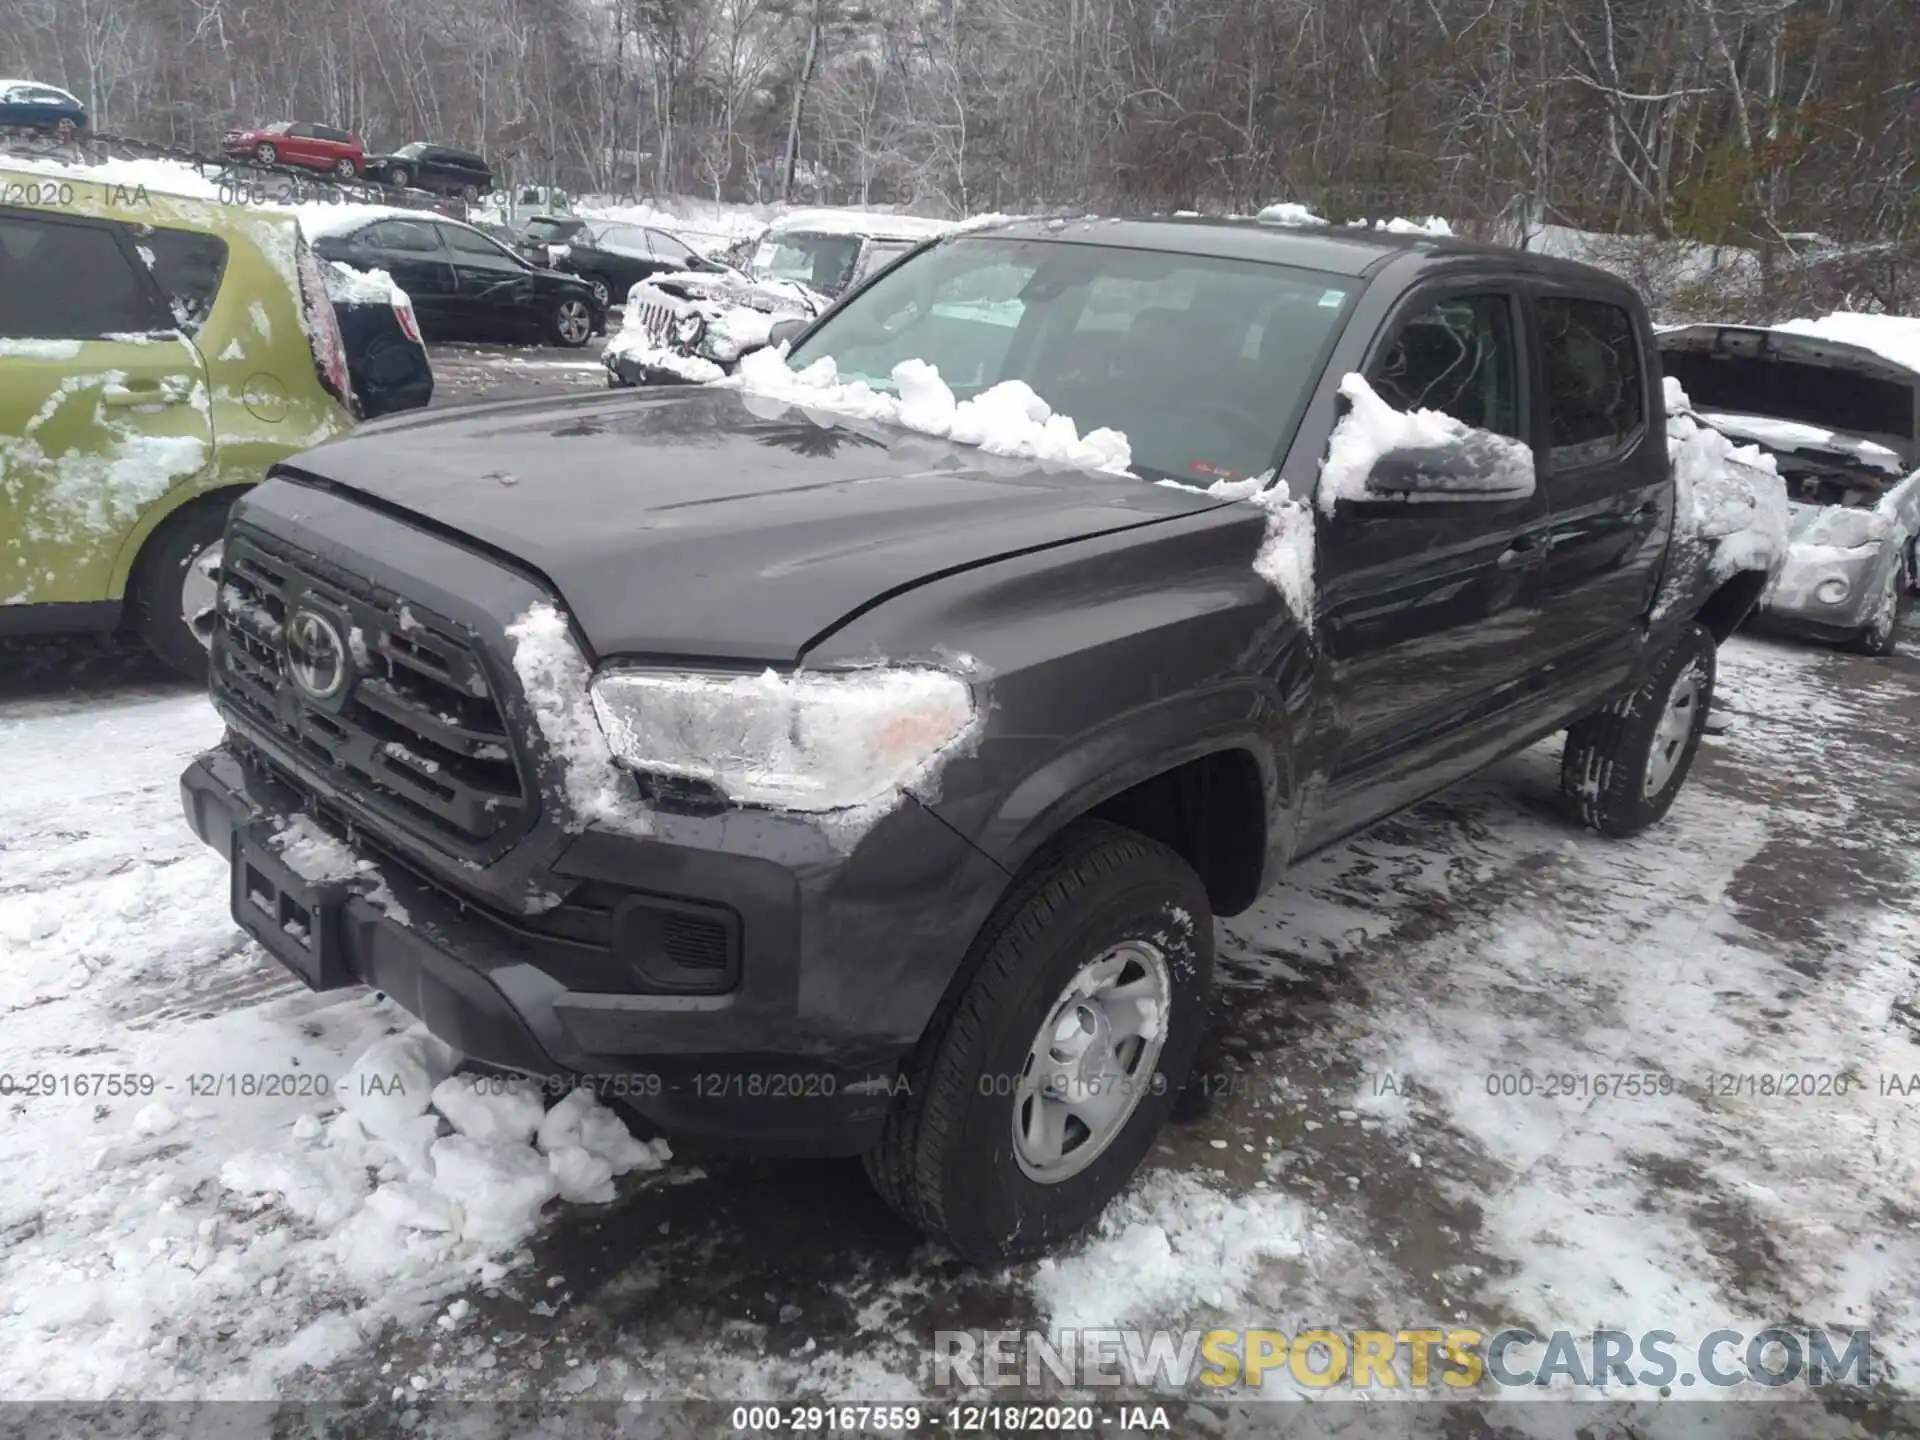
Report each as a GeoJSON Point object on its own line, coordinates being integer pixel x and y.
{"type": "Point", "coordinates": [784, 330]}
{"type": "Point", "coordinates": [1478, 466]}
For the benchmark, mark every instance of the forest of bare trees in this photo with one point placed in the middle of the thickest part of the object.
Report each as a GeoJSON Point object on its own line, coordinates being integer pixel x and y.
{"type": "Point", "coordinates": [1760, 123]}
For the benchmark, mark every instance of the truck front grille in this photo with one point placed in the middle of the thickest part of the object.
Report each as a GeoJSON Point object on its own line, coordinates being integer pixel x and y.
{"type": "Point", "coordinates": [657, 320]}
{"type": "Point", "coordinates": [416, 735]}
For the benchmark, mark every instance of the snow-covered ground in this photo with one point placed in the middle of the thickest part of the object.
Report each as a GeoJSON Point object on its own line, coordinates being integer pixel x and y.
{"type": "Point", "coordinates": [208, 1236]}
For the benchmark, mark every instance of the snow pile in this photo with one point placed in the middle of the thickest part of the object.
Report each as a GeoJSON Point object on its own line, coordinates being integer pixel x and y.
{"type": "Point", "coordinates": [1164, 1250]}
{"type": "Point", "coordinates": [1728, 498]}
{"type": "Point", "coordinates": [483, 1185]}
{"type": "Point", "coordinates": [1005, 419]}
{"type": "Point", "coordinates": [1892, 337]}
{"type": "Point", "coordinates": [1288, 213]}
{"type": "Point", "coordinates": [163, 177]}
{"type": "Point", "coordinates": [555, 676]}
{"type": "Point", "coordinates": [1371, 428]}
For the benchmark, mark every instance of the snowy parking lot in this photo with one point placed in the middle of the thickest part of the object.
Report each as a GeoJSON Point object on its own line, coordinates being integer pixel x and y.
{"type": "Point", "coordinates": [1362, 1160]}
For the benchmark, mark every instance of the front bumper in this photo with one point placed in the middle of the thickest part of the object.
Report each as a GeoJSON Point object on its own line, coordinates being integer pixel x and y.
{"type": "Point", "coordinates": [625, 372]}
{"type": "Point", "coordinates": [1792, 604]}
{"type": "Point", "coordinates": [842, 963]}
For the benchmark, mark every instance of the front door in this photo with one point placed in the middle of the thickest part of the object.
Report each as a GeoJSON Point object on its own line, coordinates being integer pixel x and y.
{"type": "Point", "coordinates": [410, 251]}
{"type": "Point", "coordinates": [494, 288]}
{"type": "Point", "coordinates": [1426, 610]}
{"type": "Point", "coordinates": [103, 405]}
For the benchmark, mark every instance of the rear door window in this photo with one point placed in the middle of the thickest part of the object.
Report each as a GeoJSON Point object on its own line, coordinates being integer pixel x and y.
{"type": "Point", "coordinates": [1596, 404]}
{"type": "Point", "coordinates": [410, 235]}
{"type": "Point", "coordinates": [187, 266]}
{"type": "Point", "coordinates": [67, 280]}
{"type": "Point", "coordinates": [1458, 356]}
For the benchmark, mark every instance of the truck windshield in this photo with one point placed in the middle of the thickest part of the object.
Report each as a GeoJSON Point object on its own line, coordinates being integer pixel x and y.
{"type": "Point", "coordinates": [1203, 363]}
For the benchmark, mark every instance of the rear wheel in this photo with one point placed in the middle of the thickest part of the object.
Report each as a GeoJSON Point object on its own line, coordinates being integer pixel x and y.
{"type": "Point", "coordinates": [175, 583]}
{"type": "Point", "coordinates": [1622, 766]}
{"type": "Point", "coordinates": [1035, 1096]}
{"type": "Point", "coordinates": [399, 175]}
{"type": "Point", "coordinates": [267, 155]}
{"type": "Point", "coordinates": [572, 322]}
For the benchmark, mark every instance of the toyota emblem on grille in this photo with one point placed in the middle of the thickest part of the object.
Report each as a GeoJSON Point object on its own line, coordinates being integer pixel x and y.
{"type": "Point", "coordinates": [316, 655]}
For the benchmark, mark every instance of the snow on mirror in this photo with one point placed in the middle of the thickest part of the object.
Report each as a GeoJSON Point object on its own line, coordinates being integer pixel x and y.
{"type": "Point", "coordinates": [1380, 453]}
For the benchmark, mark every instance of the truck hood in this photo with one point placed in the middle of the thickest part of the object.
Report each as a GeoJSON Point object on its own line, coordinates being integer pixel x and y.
{"type": "Point", "coordinates": [701, 522]}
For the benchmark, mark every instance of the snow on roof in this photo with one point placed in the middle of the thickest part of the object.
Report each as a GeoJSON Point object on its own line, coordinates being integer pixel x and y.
{"type": "Point", "coordinates": [321, 219]}
{"type": "Point", "coordinates": [362, 287]}
{"type": "Point", "coordinates": [862, 222]}
{"type": "Point", "coordinates": [9, 84]}
{"type": "Point", "coordinates": [1286, 212]}
{"type": "Point", "coordinates": [1892, 337]}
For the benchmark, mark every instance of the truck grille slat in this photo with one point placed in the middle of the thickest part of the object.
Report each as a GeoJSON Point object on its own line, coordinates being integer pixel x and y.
{"type": "Point", "coordinates": [418, 737]}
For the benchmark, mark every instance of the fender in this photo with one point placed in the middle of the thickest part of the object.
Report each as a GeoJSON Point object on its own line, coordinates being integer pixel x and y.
{"type": "Point", "coordinates": [1236, 714]}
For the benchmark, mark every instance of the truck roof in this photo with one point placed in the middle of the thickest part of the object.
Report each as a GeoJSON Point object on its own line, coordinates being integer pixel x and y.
{"type": "Point", "coordinates": [1336, 249]}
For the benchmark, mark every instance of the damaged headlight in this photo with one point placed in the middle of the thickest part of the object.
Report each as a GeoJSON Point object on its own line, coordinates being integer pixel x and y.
{"type": "Point", "coordinates": [686, 330]}
{"type": "Point", "coordinates": [809, 741]}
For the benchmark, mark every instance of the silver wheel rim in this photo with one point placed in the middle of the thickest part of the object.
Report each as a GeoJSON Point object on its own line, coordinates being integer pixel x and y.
{"type": "Point", "coordinates": [575, 323]}
{"type": "Point", "coordinates": [200, 593]}
{"type": "Point", "coordinates": [601, 293]}
{"type": "Point", "coordinates": [1671, 734]}
{"type": "Point", "coordinates": [1092, 1062]}
{"type": "Point", "coordinates": [268, 154]}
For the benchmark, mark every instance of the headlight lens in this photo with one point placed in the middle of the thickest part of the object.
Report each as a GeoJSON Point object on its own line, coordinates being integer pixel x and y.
{"type": "Point", "coordinates": [809, 742]}
{"type": "Point", "coordinates": [1831, 592]}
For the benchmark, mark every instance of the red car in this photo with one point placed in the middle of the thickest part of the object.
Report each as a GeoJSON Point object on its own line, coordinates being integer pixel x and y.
{"type": "Point", "coordinates": [315, 147]}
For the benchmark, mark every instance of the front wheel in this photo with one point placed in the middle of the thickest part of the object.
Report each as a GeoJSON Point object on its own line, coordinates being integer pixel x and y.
{"type": "Point", "coordinates": [267, 155]}
{"type": "Point", "coordinates": [602, 292]}
{"type": "Point", "coordinates": [1035, 1096]}
{"type": "Point", "coordinates": [572, 323]}
{"type": "Point", "coordinates": [1881, 635]}
{"type": "Point", "coordinates": [1623, 765]}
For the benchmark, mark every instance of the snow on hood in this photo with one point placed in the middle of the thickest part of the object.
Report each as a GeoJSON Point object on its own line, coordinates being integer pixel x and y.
{"type": "Point", "coordinates": [1371, 428]}
{"type": "Point", "coordinates": [1005, 419]}
{"type": "Point", "coordinates": [1892, 337]}
{"type": "Point", "coordinates": [1728, 498]}
{"type": "Point", "coordinates": [1792, 435]}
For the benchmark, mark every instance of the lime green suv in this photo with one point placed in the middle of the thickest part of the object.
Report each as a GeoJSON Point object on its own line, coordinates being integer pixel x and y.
{"type": "Point", "coordinates": [157, 354]}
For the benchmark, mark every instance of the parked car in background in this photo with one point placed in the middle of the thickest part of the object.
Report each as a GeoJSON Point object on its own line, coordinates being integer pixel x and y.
{"type": "Point", "coordinates": [609, 255]}
{"type": "Point", "coordinates": [695, 325]}
{"type": "Point", "coordinates": [157, 355]}
{"type": "Point", "coordinates": [832, 250]}
{"type": "Point", "coordinates": [903, 741]}
{"type": "Point", "coordinates": [386, 354]}
{"type": "Point", "coordinates": [464, 284]}
{"type": "Point", "coordinates": [30, 105]}
{"type": "Point", "coordinates": [1841, 418]}
{"type": "Point", "coordinates": [435, 168]}
{"type": "Point", "coordinates": [326, 148]}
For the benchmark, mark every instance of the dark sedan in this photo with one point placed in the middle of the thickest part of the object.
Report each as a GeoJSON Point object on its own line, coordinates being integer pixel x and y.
{"type": "Point", "coordinates": [610, 256]}
{"type": "Point", "coordinates": [435, 168]}
{"type": "Point", "coordinates": [465, 285]}
{"type": "Point", "coordinates": [29, 105]}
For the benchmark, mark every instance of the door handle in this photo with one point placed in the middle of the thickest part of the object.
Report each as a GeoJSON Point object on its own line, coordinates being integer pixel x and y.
{"type": "Point", "coordinates": [1519, 550]}
{"type": "Point", "coordinates": [124, 397]}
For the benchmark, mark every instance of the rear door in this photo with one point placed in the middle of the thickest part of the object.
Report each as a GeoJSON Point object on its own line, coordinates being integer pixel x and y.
{"type": "Point", "coordinates": [411, 252]}
{"type": "Point", "coordinates": [301, 145]}
{"type": "Point", "coordinates": [104, 407]}
{"type": "Point", "coordinates": [1605, 472]}
{"type": "Point", "coordinates": [1427, 610]}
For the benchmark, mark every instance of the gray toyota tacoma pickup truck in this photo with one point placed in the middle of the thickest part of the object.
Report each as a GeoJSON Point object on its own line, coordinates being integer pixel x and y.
{"type": "Point", "coordinates": [843, 788]}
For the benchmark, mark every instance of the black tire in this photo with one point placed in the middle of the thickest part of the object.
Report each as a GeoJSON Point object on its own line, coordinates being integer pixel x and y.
{"type": "Point", "coordinates": [398, 177]}
{"type": "Point", "coordinates": [946, 1159]}
{"type": "Point", "coordinates": [267, 155]}
{"type": "Point", "coordinates": [1881, 636]}
{"type": "Point", "coordinates": [470, 193]}
{"type": "Point", "coordinates": [1613, 758]}
{"type": "Point", "coordinates": [153, 595]}
{"type": "Point", "coordinates": [602, 289]}
{"type": "Point", "coordinates": [571, 322]}
{"type": "Point", "coordinates": [345, 168]}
